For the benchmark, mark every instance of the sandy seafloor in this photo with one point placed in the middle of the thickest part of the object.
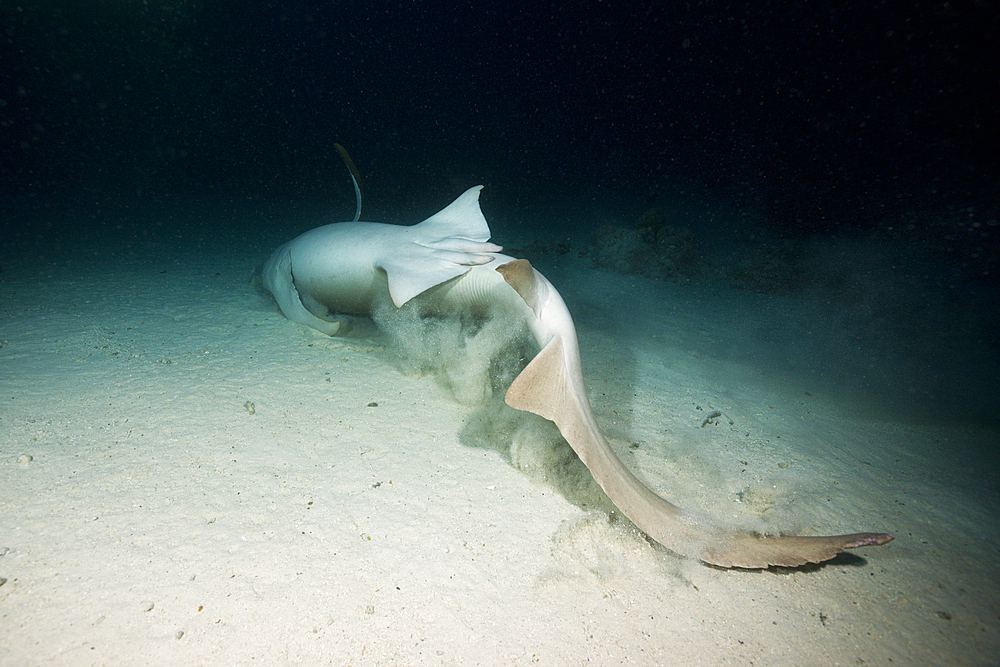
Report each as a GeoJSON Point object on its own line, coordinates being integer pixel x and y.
{"type": "Point", "coordinates": [188, 478]}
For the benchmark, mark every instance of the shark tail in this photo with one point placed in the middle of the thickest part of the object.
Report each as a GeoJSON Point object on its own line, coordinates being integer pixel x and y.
{"type": "Point", "coordinates": [551, 386]}
{"type": "Point", "coordinates": [746, 550]}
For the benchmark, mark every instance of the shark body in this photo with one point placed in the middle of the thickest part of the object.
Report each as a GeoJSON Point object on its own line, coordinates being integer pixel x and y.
{"type": "Point", "coordinates": [447, 260]}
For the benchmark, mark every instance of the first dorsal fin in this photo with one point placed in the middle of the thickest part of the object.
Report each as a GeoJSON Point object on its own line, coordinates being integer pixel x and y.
{"type": "Point", "coordinates": [520, 275]}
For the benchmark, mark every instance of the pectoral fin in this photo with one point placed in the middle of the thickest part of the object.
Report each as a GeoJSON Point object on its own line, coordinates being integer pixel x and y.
{"type": "Point", "coordinates": [444, 246]}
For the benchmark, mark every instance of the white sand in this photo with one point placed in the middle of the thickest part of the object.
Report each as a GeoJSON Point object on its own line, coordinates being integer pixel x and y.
{"type": "Point", "coordinates": [188, 478]}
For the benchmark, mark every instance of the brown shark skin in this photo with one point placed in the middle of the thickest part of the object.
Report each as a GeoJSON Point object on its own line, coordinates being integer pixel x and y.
{"type": "Point", "coordinates": [551, 386]}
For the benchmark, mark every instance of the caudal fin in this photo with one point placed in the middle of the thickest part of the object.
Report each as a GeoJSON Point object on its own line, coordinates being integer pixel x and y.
{"type": "Point", "coordinates": [731, 549]}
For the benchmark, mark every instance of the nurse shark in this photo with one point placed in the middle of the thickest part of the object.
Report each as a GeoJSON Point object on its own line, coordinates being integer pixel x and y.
{"type": "Point", "coordinates": [447, 262]}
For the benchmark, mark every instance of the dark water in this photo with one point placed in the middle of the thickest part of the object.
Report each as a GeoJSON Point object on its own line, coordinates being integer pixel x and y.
{"type": "Point", "coordinates": [834, 169]}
